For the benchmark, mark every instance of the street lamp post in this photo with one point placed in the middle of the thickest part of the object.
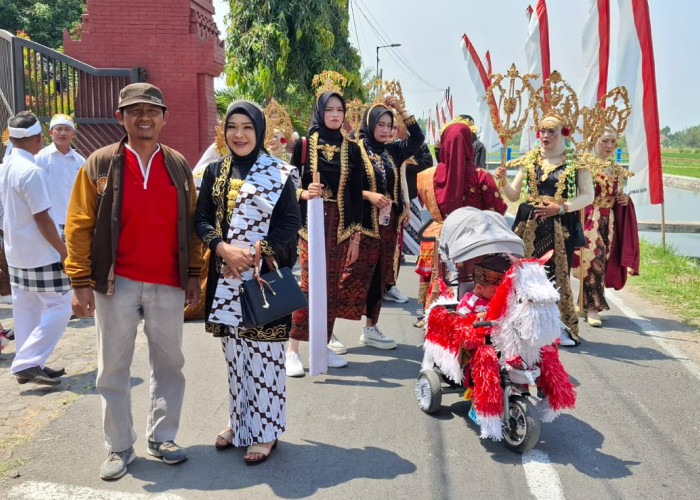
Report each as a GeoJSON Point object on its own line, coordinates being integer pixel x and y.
{"type": "Point", "coordinates": [382, 47]}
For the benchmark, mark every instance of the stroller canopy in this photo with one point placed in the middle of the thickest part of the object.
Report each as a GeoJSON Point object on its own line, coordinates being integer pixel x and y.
{"type": "Point", "coordinates": [468, 233]}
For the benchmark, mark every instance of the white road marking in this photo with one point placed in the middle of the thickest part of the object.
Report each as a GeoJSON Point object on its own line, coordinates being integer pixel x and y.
{"type": "Point", "coordinates": [648, 329]}
{"type": "Point", "coordinates": [542, 479]}
{"type": "Point", "coordinates": [36, 490]}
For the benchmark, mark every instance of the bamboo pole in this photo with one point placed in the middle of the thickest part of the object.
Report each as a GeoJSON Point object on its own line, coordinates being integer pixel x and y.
{"type": "Point", "coordinates": [663, 226]}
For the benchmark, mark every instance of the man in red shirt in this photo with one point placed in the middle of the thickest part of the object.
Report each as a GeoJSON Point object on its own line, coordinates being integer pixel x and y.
{"type": "Point", "coordinates": [130, 237]}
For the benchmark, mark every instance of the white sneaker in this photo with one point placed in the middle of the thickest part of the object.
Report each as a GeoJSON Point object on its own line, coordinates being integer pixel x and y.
{"type": "Point", "coordinates": [566, 341]}
{"type": "Point", "coordinates": [293, 365]}
{"type": "Point", "coordinates": [5, 299]}
{"type": "Point", "coordinates": [395, 295]}
{"type": "Point", "coordinates": [335, 361]}
{"type": "Point", "coordinates": [372, 337]}
{"type": "Point", "coordinates": [336, 345]}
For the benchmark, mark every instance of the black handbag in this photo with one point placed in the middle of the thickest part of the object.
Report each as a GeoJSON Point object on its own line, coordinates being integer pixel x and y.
{"type": "Point", "coordinates": [271, 296]}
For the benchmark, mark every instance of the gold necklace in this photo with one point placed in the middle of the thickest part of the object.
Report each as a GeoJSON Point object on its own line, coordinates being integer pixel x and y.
{"type": "Point", "coordinates": [328, 151]}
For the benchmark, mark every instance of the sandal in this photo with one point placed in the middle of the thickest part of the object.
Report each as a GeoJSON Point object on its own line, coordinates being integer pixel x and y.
{"type": "Point", "coordinates": [261, 449]}
{"type": "Point", "coordinates": [224, 439]}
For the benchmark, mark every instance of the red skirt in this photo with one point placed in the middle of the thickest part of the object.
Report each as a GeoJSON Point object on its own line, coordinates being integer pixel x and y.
{"type": "Point", "coordinates": [362, 284]}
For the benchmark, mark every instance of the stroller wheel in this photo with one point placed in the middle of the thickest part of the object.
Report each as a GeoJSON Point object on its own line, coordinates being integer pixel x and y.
{"type": "Point", "coordinates": [429, 391]}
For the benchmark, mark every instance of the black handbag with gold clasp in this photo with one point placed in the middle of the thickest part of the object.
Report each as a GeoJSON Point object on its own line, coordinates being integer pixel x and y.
{"type": "Point", "coordinates": [271, 296]}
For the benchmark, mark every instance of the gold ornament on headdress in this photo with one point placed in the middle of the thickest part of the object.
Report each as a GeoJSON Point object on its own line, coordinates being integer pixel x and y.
{"type": "Point", "coordinates": [513, 109]}
{"type": "Point", "coordinates": [5, 136]}
{"type": "Point", "coordinates": [379, 90]}
{"type": "Point", "coordinates": [466, 121]}
{"type": "Point", "coordinates": [613, 110]}
{"type": "Point", "coordinates": [220, 139]}
{"type": "Point", "coordinates": [329, 81]}
{"type": "Point", "coordinates": [555, 98]}
{"type": "Point", "coordinates": [277, 121]}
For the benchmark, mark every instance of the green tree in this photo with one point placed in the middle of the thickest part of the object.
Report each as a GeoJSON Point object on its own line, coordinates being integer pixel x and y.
{"type": "Point", "coordinates": [42, 20]}
{"type": "Point", "coordinates": [275, 47]}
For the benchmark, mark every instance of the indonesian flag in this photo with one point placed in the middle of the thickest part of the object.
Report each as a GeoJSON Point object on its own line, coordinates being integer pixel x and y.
{"type": "Point", "coordinates": [596, 53]}
{"type": "Point", "coordinates": [450, 105]}
{"type": "Point", "coordinates": [635, 67]}
{"type": "Point", "coordinates": [437, 117]}
{"type": "Point", "coordinates": [480, 79]}
{"type": "Point", "coordinates": [537, 56]}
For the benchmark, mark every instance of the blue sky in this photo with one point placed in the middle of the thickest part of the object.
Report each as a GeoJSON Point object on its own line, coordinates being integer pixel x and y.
{"type": "Point", "coordinates": [430, 32]}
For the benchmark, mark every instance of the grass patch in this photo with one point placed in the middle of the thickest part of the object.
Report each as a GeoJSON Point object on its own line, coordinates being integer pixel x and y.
{"type": "Point", "coordinates": [670, 279]}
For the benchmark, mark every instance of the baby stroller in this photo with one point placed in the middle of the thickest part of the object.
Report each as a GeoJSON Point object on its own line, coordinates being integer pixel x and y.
{"type": "Point", "coordinates": [508, 350]}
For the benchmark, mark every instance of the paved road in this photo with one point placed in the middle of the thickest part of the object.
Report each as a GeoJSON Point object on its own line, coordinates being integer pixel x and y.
{"type": "Point", "coordinates": [358, 433]}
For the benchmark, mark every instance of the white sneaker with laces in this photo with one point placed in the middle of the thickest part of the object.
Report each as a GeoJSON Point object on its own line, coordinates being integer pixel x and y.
{"type": "Point", "coordinates": [337, 346]}
{"type": "Point", "coordinates": [293, 365]}
{"type": "Point", "coordinates": [566, 341]}
{"type": "Point", "coordinates": [335, 361]}
{"type": "Point", "coordinates": [395, 295]}
{"type": "Point", "coordinates": [373, 337]}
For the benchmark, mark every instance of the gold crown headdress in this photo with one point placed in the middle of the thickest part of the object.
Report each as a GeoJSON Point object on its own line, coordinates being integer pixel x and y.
{"type": "Point", "coordinates": [379, 90]}
{"type": "Point", "coordinates": [277, 120]}
{"type": "Point", "coordinates": [329, 81]}
{"type": "Point", "coordinates": [612, 111]}
{"type": "Point", "coordinates": [555, 98]}
{"type": "Point", "coordinates": [466, 121]}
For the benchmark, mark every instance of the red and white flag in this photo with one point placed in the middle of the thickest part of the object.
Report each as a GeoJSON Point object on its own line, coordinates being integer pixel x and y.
{"type": "Point", "coordinates": [635, 66]}
{"type": "Point", "coordinates": [537, 56]}
{"type": "Point", "coordinates": [596, 53]}
{"type": "Point", "coordinates": [480, 79]}
{"type": "Point", "coordinates": [437, 117]}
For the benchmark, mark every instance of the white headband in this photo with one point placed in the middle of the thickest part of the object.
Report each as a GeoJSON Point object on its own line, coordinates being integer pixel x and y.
{"type": "Point", "coordinates": [21, 133]}
{"type": "Point", "coordinates": [61, 120]}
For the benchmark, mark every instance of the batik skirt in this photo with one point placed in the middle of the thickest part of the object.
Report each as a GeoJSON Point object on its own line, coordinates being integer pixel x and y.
{"type": "Point", "coordinates": [257, 390]}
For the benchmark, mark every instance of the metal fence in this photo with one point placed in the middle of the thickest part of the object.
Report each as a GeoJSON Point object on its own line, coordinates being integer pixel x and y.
{"type": "Point", "coordinates": [46, 82]}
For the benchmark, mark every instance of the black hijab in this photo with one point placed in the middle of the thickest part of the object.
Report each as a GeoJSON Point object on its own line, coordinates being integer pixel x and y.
{"type": "Point", "coordinates": [318, 124]}
{"type": "Point", "coordinates": [257, 116]}
{"type": "Point", "coordinates": [369, 123]}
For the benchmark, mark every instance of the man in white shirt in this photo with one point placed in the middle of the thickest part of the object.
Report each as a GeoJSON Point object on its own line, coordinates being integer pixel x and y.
{"type": "Point", "coordinates": [41, 291]}
{"type": "Point", "coordinates": [61, 162]}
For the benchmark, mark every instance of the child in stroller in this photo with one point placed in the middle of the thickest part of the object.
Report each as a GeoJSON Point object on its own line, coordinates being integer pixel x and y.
{"type": "Point", "coordinates": [513, 349]}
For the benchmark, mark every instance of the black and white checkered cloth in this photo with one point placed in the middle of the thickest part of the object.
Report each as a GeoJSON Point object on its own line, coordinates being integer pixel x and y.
{"type": "Point", "coordinates": [49, 278]}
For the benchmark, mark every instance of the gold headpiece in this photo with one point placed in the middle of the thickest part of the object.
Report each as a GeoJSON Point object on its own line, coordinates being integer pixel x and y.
{"type": "Point", "coordinates": [555, 98]}
{"type": "Point", "coordinates": [5, 136]}
{"type": "Point", "coordinates": [329, 81]}
{"type": "Point", "coordinates": [613, 110]}
{"type": "Point", "coordinates": [220, 139]}
{"type": "Point", "coordinates": [466, 121]}
{"type": "Point", "coordinates": [277, 121]}
{"type": "Point", "coordinates": [379, 90]}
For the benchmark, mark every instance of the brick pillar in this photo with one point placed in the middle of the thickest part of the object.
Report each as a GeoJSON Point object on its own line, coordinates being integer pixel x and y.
{"type": "Point", "coordinates": [177, 43]}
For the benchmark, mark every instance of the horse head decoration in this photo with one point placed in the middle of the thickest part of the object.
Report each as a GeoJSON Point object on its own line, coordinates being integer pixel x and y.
{"type": "Point", "coordinates": [525, 305]}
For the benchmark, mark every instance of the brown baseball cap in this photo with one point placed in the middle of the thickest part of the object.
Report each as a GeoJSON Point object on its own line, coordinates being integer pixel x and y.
{"type": "Point", "coordinates": [137, 93]}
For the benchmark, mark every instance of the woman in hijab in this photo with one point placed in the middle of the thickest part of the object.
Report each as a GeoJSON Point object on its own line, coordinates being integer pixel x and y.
{"type": "Point", "coordinates": [383, 215]}
{"type": "Point", "coordinates": [338, 163]}
{"type": "Point", "coordinates": [602, 228]}
{"type": "Point", "coordinates": [558, 185]}
{"type": "Point", "coordinates": [231, 190]}
{"type": "Point", "coordinates": [456, 182]}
